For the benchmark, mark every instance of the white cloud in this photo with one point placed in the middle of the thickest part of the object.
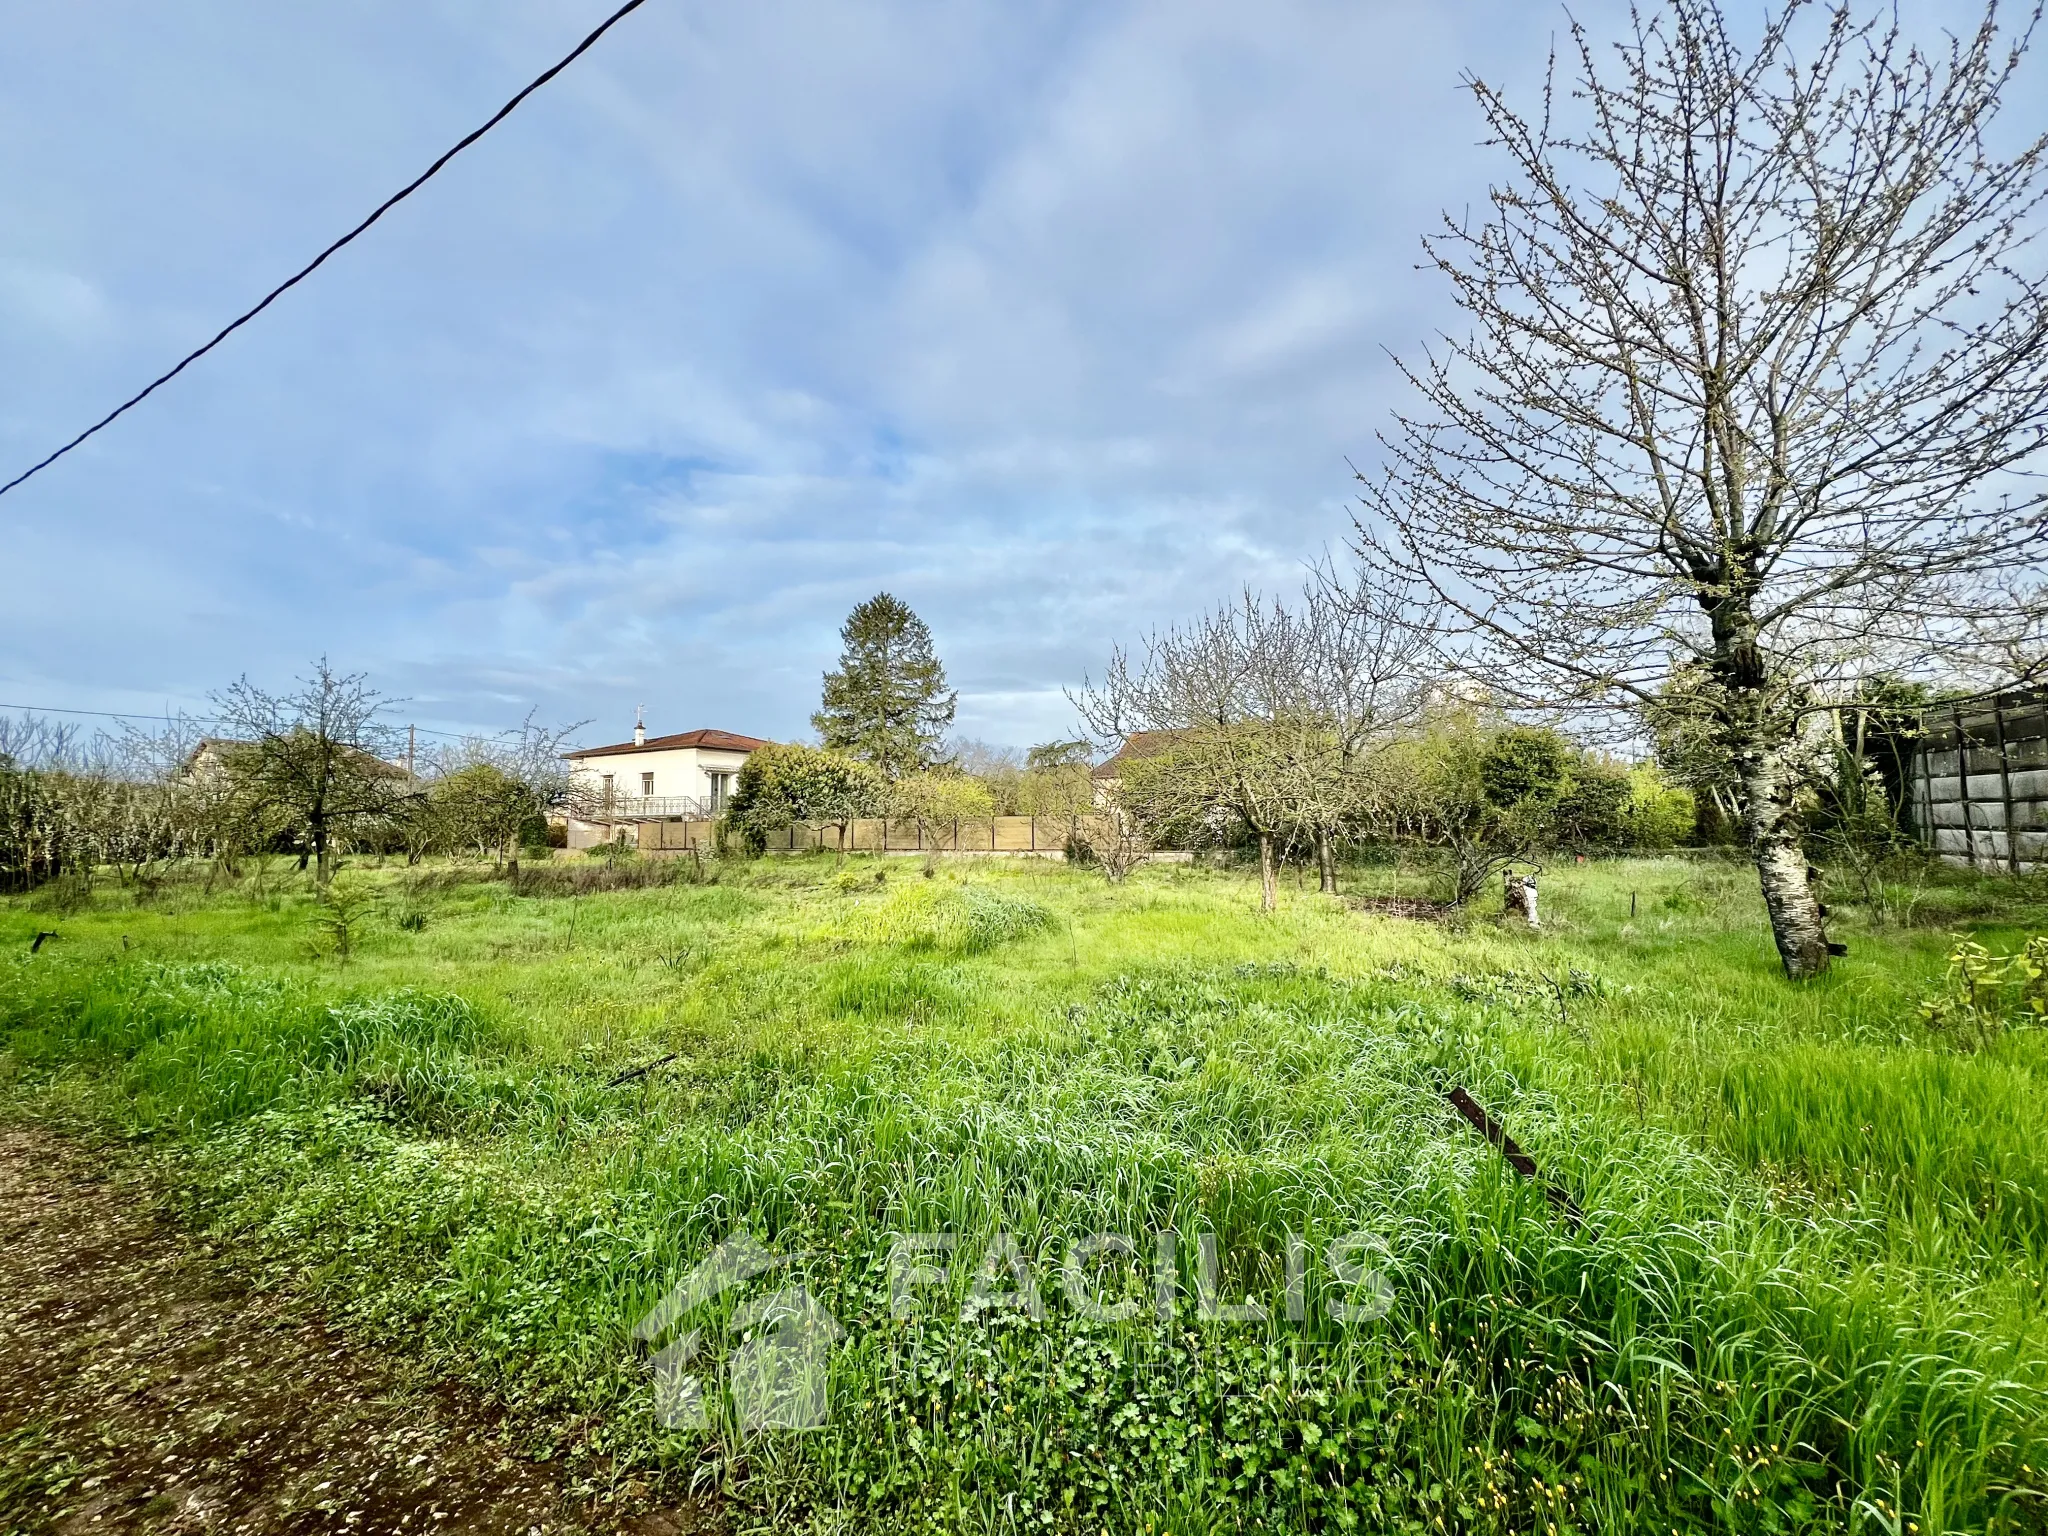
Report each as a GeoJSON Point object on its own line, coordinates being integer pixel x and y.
{"type": "Point", "coordinates": [1058, 320]}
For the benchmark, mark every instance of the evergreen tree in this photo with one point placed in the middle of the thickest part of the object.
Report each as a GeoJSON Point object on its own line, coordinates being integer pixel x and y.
{"type": "Point", "coordinates": [888, 703]}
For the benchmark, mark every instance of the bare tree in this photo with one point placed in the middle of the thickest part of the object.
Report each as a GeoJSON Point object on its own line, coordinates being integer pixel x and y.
{"type": "Point", "coordinates": [1754, 354]}
{"type": "Point", "coordinates": [1362, 655]}
{"type": "Point", "coordinates": [1220, 698]}
{"type": "Point", "coordinates": [316, 757]}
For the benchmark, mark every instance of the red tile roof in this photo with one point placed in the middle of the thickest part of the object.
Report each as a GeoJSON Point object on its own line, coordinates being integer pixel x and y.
{"type": "Point", "coordinates": [717, 741]}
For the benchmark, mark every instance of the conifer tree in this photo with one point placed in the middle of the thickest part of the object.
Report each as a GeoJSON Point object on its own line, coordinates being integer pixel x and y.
{"type": "Point", "coordinates": [888, 704]}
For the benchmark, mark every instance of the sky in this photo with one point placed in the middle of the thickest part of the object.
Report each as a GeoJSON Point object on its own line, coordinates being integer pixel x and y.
{"type": "Point", "coordinates": [1058, 321]}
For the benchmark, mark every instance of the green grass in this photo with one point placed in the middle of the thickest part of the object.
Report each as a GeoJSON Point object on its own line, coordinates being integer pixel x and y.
{"type": "Point", "coordinates": [1808, 1293]}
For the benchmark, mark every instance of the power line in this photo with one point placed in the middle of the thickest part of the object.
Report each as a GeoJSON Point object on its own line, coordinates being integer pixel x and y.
{"type": "Point", "coordinates": [312, 266]}
{"type": "Point", "coordinates": [111, 714]}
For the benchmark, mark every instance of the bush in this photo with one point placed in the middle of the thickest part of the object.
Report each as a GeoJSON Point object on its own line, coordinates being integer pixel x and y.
{"type": "Point", "coordinates": [1985, 994]}
{"type": "Point", "coordinates": [788, 782]}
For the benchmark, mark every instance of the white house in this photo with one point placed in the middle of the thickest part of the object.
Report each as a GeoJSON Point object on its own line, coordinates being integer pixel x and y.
{"type": "Point", "coordinates": [684, 777]}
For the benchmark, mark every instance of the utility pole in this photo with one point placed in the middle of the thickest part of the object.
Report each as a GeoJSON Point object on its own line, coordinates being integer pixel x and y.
{"type": "Point", "coordinates": [411, 740]}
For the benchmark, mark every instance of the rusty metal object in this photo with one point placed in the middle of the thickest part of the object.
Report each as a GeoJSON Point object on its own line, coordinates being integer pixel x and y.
{"type": "Point", "coordinates": [1517, 1159]}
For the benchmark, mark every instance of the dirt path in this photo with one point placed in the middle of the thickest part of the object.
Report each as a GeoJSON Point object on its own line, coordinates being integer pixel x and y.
{"type": "Point", "coordinates": [141, 1389]}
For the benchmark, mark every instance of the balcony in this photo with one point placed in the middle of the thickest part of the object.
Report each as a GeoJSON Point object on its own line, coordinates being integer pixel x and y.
{"type": "Point", "coordinates": [597, 807]}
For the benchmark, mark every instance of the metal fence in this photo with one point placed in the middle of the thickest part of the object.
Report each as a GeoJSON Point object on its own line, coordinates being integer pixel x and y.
{"type": "Point", "coordinates": [1980, 793]}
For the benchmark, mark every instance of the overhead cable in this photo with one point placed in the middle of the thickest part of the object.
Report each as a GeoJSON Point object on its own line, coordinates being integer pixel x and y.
{"type": "Point", "coordinates": [312, 266]}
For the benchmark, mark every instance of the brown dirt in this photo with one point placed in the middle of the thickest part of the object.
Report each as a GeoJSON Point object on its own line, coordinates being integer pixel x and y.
{"type": "Point", "coordinates": [142, 1389]}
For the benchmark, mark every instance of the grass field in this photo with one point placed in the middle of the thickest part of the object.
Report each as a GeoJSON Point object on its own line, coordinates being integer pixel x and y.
{"type": "Point", "coordinates": [1807, 1293]}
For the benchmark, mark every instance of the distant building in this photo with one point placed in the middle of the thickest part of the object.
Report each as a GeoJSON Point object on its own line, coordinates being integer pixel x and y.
{"type": "Point", "coordinates": [1109, 773]}
{"type": "Point", "coordinates": [209, 761]}
{"type": "Point", "coordinates": [684, 777]}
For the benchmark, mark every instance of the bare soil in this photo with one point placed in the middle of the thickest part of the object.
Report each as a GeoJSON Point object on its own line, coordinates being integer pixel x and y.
{"type": "Point", "coordinates": [143, 1389]}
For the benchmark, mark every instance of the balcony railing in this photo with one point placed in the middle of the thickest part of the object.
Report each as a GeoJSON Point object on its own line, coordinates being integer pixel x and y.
{"type": "Point", "coordinates": [599, 807]}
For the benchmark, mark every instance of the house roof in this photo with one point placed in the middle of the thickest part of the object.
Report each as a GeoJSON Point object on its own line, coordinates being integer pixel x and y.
{"type": "Point", "coordinates": [716, 741]}
{"type": "Point", "coordinates": [1137, 744]}
{"type": "Point", "coordinates": [218, 746]}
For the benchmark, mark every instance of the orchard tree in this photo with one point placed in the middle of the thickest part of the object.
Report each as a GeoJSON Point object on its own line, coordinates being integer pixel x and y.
{"type": "Point", "coordinates": [315, 758]}
{"type": "Point", "coordinates": [1217, 745]}
{"type": "Point", "coordinates": [1753, 360]}
{"type": "Point", "coordinates": [888, 704]}
{"type": "Point", "coordinates": [1056, 780]}
{"type": "Point", "coordinates": [939, 799]}
{"type": "Point", "coordinates": [1278, 716]}
{"type": "Point", "coordinates": [786, 783]}
{"type": "Point", "coordinates": [490, 791]}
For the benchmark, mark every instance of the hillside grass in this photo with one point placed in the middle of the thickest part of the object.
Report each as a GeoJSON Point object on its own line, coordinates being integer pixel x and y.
{"type": "Point", "coordinates": [1807, 1292]}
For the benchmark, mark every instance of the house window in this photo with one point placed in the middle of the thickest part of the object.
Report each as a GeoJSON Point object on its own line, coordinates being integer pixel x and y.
{"type": "Point", "coordinates": [646, 784]}
{"type": "Point", "coordinates": [607, 790]}
{"type": "Point", "coordinates": [721, 783]}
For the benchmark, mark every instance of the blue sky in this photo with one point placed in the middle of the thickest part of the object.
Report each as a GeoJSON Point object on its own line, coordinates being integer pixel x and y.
{"type": "Point", "coordinates": [1056, 320]}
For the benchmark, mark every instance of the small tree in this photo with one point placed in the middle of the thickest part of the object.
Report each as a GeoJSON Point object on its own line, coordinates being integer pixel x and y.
{"type": "Point", "coordinates": [1752, 351]}
{"type": "Point", "coordinates": [1114, 836]}
{"type": "Point", "coordinates": [888, 704]}
{"type": "Point", "coordinates": [1215, 693]}
{"type": "Point", "coordinates": [314, 758]}
{"type": "Point", "coordinates": [482, 807]}
{"type": "Point", "coordinates": [1000, 769]}
{"type": "Point", "coordinates": [492, 790]}
{"type": "Point", "coordinates": [1056, 780]}
{"type": "Point", "coordinates": [783, 784]}
{"type": "Point", "coordinates": [938, 799]}
{"type": "Point", "coordinates": [1487, 795]}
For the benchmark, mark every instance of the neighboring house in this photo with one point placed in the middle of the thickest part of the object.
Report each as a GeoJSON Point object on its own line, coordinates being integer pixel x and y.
{"type": "Point", "coordinates": [208, 761]}
{"type": "Point", "coordinates": [1109, 773]}
{"type": "Point", "coordinates": [684, 777]}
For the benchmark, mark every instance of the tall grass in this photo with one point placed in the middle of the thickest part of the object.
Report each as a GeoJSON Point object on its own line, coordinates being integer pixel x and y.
{"type": "Point", "coordinates": [1806, 1293]}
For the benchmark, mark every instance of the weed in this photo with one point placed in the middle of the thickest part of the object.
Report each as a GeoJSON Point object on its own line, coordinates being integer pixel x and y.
{"type": "Point", "coordinates": [338, 919]}
{"type": "Point", "coordinates": [990, 920]}
{"type": "Point", "coordinates": [1813, 1294]}
{"type": "Point", "coordinates": [1984, 994]}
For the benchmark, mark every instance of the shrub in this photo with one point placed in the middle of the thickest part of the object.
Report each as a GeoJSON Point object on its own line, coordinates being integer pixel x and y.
{"type": "Point", "coordinates": [1985, 994]}
{"type": "Point", "coordinates": [788, 782]}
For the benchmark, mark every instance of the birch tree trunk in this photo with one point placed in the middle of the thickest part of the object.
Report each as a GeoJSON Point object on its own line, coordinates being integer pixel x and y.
{"type": "Point", "coordinates": [1770, 821]}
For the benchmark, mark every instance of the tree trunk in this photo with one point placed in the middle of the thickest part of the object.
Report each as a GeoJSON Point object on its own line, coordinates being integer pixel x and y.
{"type": "Point", "coordinates": [1326, 863]}
{"type": "Point", "coordinates": [1269, 879]}
{"type": "Point", "coordinates": [1771, 823]}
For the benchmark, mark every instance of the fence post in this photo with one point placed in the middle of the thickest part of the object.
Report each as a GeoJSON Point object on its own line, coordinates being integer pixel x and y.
{"type": "Point", "coordinates": [2012, 837]}
{"type": "Point", "coordinates": [1963, 784]}
{"type": "Point", "coordinates": [1930, 833]}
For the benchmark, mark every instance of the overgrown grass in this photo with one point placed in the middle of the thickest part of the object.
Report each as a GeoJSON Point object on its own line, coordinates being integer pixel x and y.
{"type": "Point", "coordinates": [1807, 1293]}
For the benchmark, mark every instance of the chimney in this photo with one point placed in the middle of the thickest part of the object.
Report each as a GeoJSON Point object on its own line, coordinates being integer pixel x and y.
{"type": "Point", "coordinates": [640, 726]}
